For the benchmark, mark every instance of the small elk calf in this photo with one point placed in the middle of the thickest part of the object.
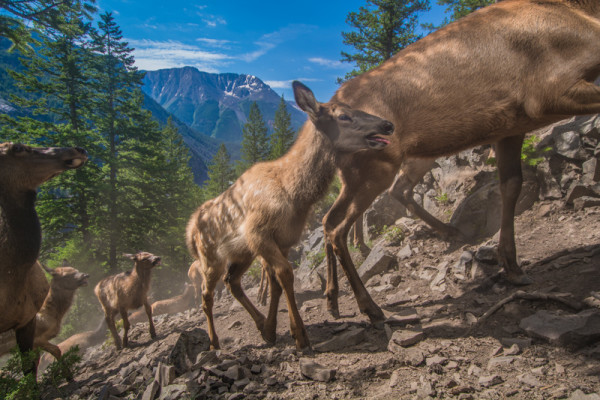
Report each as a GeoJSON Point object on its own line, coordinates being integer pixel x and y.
{"type": "Point", "coordinates": [264, 212]}
{"type": "Point", "coordinates": [127, 291]}
{"type": "Point", "coordinates": [65, 281]}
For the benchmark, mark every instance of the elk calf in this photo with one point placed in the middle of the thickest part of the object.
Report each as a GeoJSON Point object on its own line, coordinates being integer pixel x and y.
{"type": "Point", "coordinates": [22, 170]}
{"type": "Point", "coordinates": [264, 212]}
{"type": "Point", "coordinates": [65, 281]}
{"type": "Point", "coordinates": [127, 291]}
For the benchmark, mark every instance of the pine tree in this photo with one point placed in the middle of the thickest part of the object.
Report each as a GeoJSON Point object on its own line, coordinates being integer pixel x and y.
{"type": "Point", "coordinates": [283, 134]}
{"type": "Point", "coordinates": [382, 28]}
{"type": "Point", "coordinates": [460, 8]}
{"type": "Point", "coordinates": [57, 74]}
{"type": "Point", "coordinates": [255, 142]}
{"type": "Point", "coordinates": [220, 173]}
{"type": "Point", "coordinates": [44, 14]}
{"type": "Point", "coordinates": [115, 79]}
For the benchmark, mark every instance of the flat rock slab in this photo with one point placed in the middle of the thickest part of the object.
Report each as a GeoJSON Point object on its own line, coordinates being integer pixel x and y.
{"type": "Point", "coordinates": [405, 317]}
{"type": "Point", "coordinates": [344, 340]}
{"type": "Point", "coordinates": [406, 337]}
{"type": "Point", "coordinates": [316, 372]}
{"type": "Point", "coordinates": [573, 330]}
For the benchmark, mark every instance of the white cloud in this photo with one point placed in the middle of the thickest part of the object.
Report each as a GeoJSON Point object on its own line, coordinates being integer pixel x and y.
{"type": "Point", "coordinates": [288, 84]}
{"type": "Point", "coordinates": [212, 21]}
{"type": "Point", "coordinates": [152, 55]}
{"type": "Point", "coordinates": [219, 43]}
{"type": "Point", "coordinates": [327, 63]}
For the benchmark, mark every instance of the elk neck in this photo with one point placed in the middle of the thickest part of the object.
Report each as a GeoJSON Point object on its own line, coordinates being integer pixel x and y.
{"type": "Point", "coordinates": [308, 167]}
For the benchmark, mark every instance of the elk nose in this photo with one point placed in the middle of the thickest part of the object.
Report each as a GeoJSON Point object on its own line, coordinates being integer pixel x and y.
{"type": "Point", "coordinates": [388, 127]}
{"type": "Point", "coordinates": [81, 150]}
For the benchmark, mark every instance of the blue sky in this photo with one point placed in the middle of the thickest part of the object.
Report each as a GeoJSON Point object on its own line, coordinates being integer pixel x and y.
{"type": "Point", "coordinates": [277, 41]}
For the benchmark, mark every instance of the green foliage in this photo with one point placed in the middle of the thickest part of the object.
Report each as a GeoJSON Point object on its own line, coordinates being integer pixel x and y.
{"type": "Point", "coordinates": [381, 29]}
{"type": "Point", "coordinates": [220, 173]}
{"type": "Point", "coordinates": [15, 386]}
{"type": "Point", "coordinates": [17, 16]}
{"type": "Point", "coordinates": [530, 155]}
{"type": "Point", "coordinates": [392, 234]}
{"type": "Point", "coordinates": [255, 142]}
{"type": "Point", "coordinates": [315, 257]}
{"type": "Point", "coordinates": [442, 198]}
{"type": "Point", "coordinates": [283, 135]}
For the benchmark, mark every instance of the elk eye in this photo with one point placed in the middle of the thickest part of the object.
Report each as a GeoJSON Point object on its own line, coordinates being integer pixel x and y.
{"type": "Point", "coordinates": [344, 117]}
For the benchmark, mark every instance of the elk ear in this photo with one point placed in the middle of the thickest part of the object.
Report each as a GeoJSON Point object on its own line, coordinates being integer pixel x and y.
{"type": "Point", "coordinates": [306, 99]}
{"type": "Point", "coordinates": [130, 256]}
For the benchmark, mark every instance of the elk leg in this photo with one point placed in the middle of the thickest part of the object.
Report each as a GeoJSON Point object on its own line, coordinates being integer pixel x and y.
{"type": "Point", "coordinates": [25, 338]}
{"type": "Point", "coordinates": [110, 322]}
{"type": "Point", "coordinates": [233, 280]}
{"type": "Point", "coordinates": [285, 277]}
{"type": "Point", "coordinates": [126, 326]}
{"type": "Point", "coordinates": [508, 152]}
{"type": "Point", "coordinates": [148, 308]}
{"type": "Point", "coordinates": [358, 238]}
{"type": "Point", "coordinates": [49, 347]}
{"type": "Point", "coordinates": [208, 291]}
{"type": "Point", "coordinates": [332, 289]}
{"type": "Point", "coordinates": [581, 98]}
{"type": "Point", "coordinates": [348, 206]}
{"type": "Point", "coordinates": [264, 285]}
{"type": "Point", "coordinates": [270, 327]}
{"type": "Point", "coordinates": [411, 173]}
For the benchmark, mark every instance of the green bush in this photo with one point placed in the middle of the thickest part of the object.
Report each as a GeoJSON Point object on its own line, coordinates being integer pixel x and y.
{"type": "Point", "coordinates": [529, 154]}
{"type": "Point", "coordinates": [393, 234]}
{"type": "Point", "coordinates": [15, 386]}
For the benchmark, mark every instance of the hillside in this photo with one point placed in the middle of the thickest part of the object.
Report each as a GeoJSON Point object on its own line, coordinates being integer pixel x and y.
{"type": "Point", "coordinates": [215, 104]}
{"type": "Point", "coordinates": [456, 328]}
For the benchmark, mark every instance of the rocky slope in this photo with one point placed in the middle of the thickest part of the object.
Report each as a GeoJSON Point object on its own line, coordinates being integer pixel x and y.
{"type": "Point", "coordinates": [455, 328]}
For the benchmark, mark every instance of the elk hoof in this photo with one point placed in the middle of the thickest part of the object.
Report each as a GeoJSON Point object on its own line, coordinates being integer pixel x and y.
{"type": "Point", "coordinates": [520, 280]}
{"type": "Point", "coordinates": [306, 351]}
{"type": "Point", "coordinates": [334, 312]}
{"type": "Point", "coordinates": [268, 337]}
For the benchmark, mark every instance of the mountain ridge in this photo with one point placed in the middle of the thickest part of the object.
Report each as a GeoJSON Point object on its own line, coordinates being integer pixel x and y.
{"type": "Point", "coordinates": [216, 105]}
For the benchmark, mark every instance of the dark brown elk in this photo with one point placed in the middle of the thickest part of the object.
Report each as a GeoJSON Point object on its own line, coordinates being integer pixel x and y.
{"type": "Point", "coordinates": [127, 291]}
{"type": "Point", "coordinates": [264, 212]}
{"type": "Point", "coordinates": [491, 77]}
{"type": "Point", "coordinates": [65, 281]}
{"type": "Point", "coordinates": [22, 170]}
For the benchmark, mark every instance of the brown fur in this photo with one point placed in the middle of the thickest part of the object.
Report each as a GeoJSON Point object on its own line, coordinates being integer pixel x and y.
{"type": "Point", "coordinates": [22, 170]}
{"type": "Point", "coordinates": [65, 281]}
{"type": "Point", "coordinates": [195, 276]}
{"type": "Point", "coordinates": [264, 212]}
{"type": "Point", "coordinates": [127, 291]}
{"type": "Point", "coordinates": [490, 77]}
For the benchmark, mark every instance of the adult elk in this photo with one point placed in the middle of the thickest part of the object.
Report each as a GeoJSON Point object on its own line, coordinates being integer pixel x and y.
{"type": "Point", "coordinates": [490, 77]}
{"type": "Point", "coordinates": [22, 170]}
{"type": "Point", "coordinates": [264, 212]}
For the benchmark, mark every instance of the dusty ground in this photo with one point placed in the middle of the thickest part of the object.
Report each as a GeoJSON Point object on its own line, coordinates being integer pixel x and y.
{"type": "Point", "coordinates": [556, 246]}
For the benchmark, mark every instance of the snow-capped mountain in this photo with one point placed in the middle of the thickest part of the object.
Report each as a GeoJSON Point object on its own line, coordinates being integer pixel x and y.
{"type": "Point", "coordinates": [216, 105]}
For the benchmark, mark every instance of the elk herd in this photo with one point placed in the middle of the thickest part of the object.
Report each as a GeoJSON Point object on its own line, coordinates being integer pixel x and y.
{"type": "Point", "coordinates": [489, 78]}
